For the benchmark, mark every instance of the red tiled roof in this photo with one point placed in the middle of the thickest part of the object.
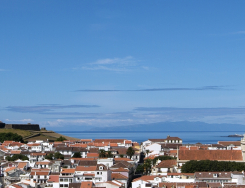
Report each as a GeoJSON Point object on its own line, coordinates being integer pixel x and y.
{"type": "Point", "coordinates": [227, 143]}
{"type": "Point", "coordinates": [86, 184]}
{"type": "Point", "coordinates": [16, 186]}
{"type": "Point", "coordinates": [38, 154]}
{"type": "Point", "coordinates": [9, 169]}
{"type": "Point", "coordinates": [86, 140]}
{"type": "Point", "coordinates": [85, 168]}
{"type": "Point", "coordinates": [39, 173]}
{"type": "Point", "coordinates": [54, 178]}
{"type": "Point", "coordinates": [122, 159]}
{"type": "Point", "coordinates": [145, 178]}
{"type": "Point", "coordinates": [68, 170]}
{"type": "Point", "coordinates": [220, 155]}
{"type": "Point", "coordinates": [88, 174]}
{"type": "Point", "coordinates": [167, 164]}
{"type": "Point", "coordinates": [83, 159]}
{"type": "Point", "coordinates": [92, 155]}
{"type": "Point", "coordinates": [118, 176]}
{"type": "Point", "coordinates": [15, 151]}
{"type": "Point", "coordinates": [120, 170]}
{"type": "Point", "coordinates": [110, 140]}
{"type": "Point", "coordinates": [113, 144]}
{"type": "Point", "coordinates": [22, 164]}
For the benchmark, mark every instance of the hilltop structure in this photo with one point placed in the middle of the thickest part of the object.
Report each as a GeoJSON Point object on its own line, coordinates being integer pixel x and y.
{"type": "Point", "coordinates": [28, 126]}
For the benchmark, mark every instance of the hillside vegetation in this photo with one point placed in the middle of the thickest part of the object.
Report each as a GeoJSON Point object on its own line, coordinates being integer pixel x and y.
{"type": "Point", "coordinates": [37, 135]}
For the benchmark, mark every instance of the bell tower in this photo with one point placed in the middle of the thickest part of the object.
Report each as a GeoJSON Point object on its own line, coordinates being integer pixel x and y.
{"type": "Point", "coordinates": [243, 147]}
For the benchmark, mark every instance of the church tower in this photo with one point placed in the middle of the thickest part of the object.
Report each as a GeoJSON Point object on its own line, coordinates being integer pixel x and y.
{"type": "Point", "coordinates": [243, 147]}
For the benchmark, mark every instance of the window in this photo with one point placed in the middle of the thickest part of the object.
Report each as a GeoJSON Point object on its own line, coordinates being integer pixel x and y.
{"type": "Point", "coordinates": [98, 173]}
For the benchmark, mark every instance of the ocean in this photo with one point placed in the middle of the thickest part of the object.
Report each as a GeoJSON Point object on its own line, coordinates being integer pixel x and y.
{"type": "Point", "coordinates": [188, 137]}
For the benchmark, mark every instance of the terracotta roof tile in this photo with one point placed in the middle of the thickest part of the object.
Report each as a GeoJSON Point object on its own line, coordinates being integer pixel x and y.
{"type": "Point", "coordinates": [68, 170]}
{"type": "Point", "coordinates": [145, 178]}
{"type": "Point", "coordinates": [167, 164]}
{"type": "Point", "coordinates": [227, 143]}
{"type": "Point", "coordinates": [118, 176]}
{"type": "Point", "coordinates": [39, 173]}
{"type": "Point", "coordinates": [88, 174]}
{"type": "Point", "coordinates": [15, 151]}
{"type": "Point", "coordinates": [54, 178]}
{"type": "Point", "coordinates": [86, 168]}
{"type": "Point", "coordinates": [92, 155]}
{"type": "Point", "coordinates": [110, 140]}
{"type": "Point", "coordinates": [220, 155]}
{"type": "Point", "coordinates": [9, 169]}
{"type": "Point", "coordinates": [122, 159]}
{"type": "Point", "coordinates": [87, 184]}
{"type": "Point", "coordinates": [22, 164]}
{"type": "Point", "coordinates": [120, 170]}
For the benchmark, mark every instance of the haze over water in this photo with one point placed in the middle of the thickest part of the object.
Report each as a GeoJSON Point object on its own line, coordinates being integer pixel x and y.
{"type": "Point", "coordinates": [191, 137]}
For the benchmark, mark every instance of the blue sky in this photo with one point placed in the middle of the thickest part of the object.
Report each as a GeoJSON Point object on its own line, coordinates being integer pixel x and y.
{"type": "Point", "coordinates": [112, 63]}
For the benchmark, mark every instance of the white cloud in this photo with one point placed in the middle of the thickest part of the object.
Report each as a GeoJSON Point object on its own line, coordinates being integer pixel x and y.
{"type": "Point", "coordinates": [21, 120]}
{"type": "Point", "coordinates": [239, 32]}
{"type": "Point", "coordinates": [114, 64]}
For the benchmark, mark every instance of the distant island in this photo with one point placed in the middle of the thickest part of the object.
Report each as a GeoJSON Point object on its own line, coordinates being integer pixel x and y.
{"type": "Point", "coordinates": [174, 126]}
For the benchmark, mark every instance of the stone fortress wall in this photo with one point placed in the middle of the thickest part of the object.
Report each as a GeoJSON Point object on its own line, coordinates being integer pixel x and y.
{"type": "Point", "coordinates": [29, 126]}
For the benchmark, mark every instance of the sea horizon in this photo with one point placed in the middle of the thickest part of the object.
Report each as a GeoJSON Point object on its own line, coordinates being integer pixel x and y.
{"type": "Point", "coordinates": [188, 137]}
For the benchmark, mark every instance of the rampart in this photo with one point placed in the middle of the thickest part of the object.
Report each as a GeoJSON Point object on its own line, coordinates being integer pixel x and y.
{"type": "Point", "coordinates": [33, 127]}
{"type": "Point", "coordinates": [2, 125]}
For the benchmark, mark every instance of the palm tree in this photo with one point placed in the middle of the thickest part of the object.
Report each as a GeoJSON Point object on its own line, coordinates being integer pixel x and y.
{"type": "Point", "coordinates": [147, 152]}
{"type": "Point", "coordinates": [147, 165]}
{"type": "Point", "coordinates": [102, 153]}
{"type": "Point", "coordinates": [130, 152]}
{"type": "Point", "coordinates": [109, 154]}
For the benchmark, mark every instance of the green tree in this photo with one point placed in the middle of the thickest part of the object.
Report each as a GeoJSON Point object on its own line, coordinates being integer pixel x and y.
{"type": "Point", "coordinates": [102, 153]}
{"type": "Point", "coordinates": [49, 156]}
{"type": "Point", "coordinates": [147, 166]}
{"type": "Point", "coordinates": [17, 156]}
{"type": "Point", "coordinates": [121, 155]}
{"type": "Point", "coordinates": [140, 169]}
{"type": "Point", "coordinates": [77, 155]}
{"type": "Point", "coordinates": [109, 154]}
{"type": "Point", "coordinates": [130, 152]}
{"type": "Point", "coordinates": [11, 136]}
{"type": "Point", "coordinates": [58, 155]}
{"type": "Point", "coordinates": [147, 152]}
{"type": "Point", "coordinates": [61, 138]}
{"type": "Point", "coordinates": [211, 166]}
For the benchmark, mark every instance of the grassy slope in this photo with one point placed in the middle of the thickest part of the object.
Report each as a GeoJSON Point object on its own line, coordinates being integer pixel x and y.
{"type": "Point", "coordinates": [43, 135]}
{"type": "Point", "coordinates": [23, 133]}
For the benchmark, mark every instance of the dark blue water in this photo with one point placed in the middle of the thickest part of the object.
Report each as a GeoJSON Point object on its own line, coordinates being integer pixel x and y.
{"type": "Point", "coordinates": [191, 137]}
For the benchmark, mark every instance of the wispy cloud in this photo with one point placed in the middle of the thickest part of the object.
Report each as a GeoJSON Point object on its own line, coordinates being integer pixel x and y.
{"type": "Point", "coordinates": [204, 88]}
{"type": "Point", "coordinates": [238, 32]}
{"type": "Point", "coordinates": [45, 108]}
{"type": "Point", "coordinates": [21, 120]}
{"type": "Point", "coordinates": [114, 64]}
{"type": "Point", "coordinates": [193, 111]}
{"type": "Point", "coordinates": [147, 115]}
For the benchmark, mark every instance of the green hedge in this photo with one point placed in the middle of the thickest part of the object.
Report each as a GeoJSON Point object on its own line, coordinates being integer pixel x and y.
{"type": "Point", "coordinates": [211, 166]}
